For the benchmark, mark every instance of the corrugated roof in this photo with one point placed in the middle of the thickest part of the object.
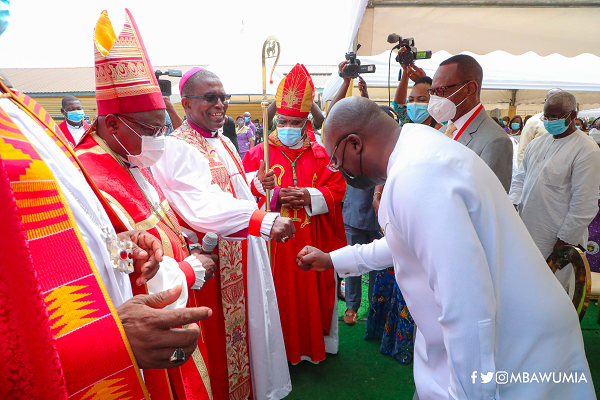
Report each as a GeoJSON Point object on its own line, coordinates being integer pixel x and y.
{"type": "Point", "coordinates": [81, 80]}
{"type": "Point", "coordinates": [63, 80]}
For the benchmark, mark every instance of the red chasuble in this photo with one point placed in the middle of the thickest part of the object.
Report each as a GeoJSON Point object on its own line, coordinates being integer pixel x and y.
{"type": "Point", "coordinates": [305, 299]}
{"type": "Point", "coordinates": [191, 380]}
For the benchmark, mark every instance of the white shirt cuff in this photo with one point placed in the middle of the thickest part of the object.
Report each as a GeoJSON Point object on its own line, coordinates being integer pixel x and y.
{"type": "Point", "coordinates": [267, 225]}
{"type": "Point", "coordinates": [344, 262]}
{"type": "Point", "coordinates": [318, 205]}
{"type": "Point", "coordinates": [259, 187]}
{"type": "Point", "coordinates": [199, 271]}
{"type": "Point", "coordinates": [168, 276]}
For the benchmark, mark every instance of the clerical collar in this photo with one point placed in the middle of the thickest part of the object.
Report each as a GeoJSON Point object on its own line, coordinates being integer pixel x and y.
{"type": "Point", "coordinates": [203, 132]}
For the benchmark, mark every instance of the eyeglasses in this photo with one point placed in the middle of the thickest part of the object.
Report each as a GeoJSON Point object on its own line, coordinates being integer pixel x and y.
{"type": "Point", "coordinates": [544, 118]}
{"type": "Point", "coordinates": [156, 130]}
{"type": "Point", "coordinates": [331, 165]}
{"type": "Point", "coordinates": [441, 91]}
{"type": "Point", "coordinates": [296, 123]}
{"type": "Point", "coordinates": [212, 98]}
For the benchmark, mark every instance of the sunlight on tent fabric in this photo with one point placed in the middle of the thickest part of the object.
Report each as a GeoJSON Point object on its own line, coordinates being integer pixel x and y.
{"type": "Point", "coordinates": [531, 74]}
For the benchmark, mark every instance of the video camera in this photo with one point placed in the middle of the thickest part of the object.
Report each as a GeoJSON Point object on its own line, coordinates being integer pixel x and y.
{"type": "Point", "coordinates": [353, 67]}
{"type": "Point", "coordinates": [407, 57]}
{"type": "Point", "coordinates": [165, 85]}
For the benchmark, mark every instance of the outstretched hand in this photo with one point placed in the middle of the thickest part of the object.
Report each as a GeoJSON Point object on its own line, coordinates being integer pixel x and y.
{"type": "Point", "coordinates": [313, 258]}
{"type": "Point", "coordinates": [147, 254]}
{"type": "Point", "coordinates": [150, 331]}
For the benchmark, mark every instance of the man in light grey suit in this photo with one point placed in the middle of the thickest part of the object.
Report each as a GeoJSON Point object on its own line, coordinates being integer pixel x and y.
{"type": "Point", "coordinates": [455, 97]}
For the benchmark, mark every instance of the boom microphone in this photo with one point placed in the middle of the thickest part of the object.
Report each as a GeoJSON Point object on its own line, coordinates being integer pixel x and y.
{"type": "Point", "coordinates": [393, 38]}
{"type": "Point", "coordinates": [209, 242]}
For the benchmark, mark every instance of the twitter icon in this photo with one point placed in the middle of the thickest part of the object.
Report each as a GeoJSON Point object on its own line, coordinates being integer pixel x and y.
{"type": "Point", "coordinates": [486, 378]}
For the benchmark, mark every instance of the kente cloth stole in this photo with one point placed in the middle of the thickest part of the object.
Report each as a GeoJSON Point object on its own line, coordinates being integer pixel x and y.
{"type": "Point", "coordinates": [83, 320]}
{"type": "Point", "coordinates": [231, 274]}
{"type": "Point", "coordinates": [122, 191]}
{"type": "Point", "coordinates": [43, 119]}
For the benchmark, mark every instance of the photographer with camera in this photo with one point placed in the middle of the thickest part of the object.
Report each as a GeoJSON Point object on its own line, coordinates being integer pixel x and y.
{"type": "Point", "coordinates": [415, 109]}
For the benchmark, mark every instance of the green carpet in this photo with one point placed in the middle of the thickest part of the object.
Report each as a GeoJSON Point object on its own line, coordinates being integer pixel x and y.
{"type": "Point", "coordinates": [360, 371]}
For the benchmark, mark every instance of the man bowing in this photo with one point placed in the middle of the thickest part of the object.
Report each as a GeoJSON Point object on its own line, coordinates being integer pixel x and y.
{"type": "Point", "coordinates": [482, 296]}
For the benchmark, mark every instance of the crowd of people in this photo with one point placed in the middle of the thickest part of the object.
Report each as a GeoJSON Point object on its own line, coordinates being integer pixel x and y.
{"type": "Point", "coordinates": [153, 256]}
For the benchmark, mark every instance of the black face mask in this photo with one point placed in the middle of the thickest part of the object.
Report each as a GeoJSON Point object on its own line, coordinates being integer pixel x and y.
{"type": "Point", "coordinates": [360, 181]}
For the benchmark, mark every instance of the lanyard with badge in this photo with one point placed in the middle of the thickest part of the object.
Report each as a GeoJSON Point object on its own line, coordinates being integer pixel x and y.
{"type": "Point", "coordinates": [476, 113]}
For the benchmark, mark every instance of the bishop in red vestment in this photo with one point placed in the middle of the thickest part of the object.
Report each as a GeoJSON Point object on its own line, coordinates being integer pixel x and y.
{"type": "Point", "coordinates": [117, 150]}
{"type": "Point", "coordinates": [310, 193]}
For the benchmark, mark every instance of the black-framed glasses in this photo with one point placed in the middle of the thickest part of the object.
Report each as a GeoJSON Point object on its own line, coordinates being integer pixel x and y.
{"type": "Point", "coordinates": [212, 98]}
{"type": "Point", "coordinates": [331, 165]}
{"type": "Point", "coordinates": [441, 91]}
{"type": "Point", "coordinates": [156, 130]}
{"type": "Point", "coordinates": [543, 118]}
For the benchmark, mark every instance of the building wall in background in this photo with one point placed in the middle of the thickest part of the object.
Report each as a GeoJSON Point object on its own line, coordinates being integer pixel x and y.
{"type": "Point", "coordinates": [53, 105]}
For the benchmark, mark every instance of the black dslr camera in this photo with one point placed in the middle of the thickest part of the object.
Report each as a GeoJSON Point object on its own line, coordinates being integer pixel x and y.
{"type": "Point", "coordinates": [408, 57]}
{"type": "Point", "coordinates": [353, 67]}
{"type": "Point", "coordinates": [165, 84]}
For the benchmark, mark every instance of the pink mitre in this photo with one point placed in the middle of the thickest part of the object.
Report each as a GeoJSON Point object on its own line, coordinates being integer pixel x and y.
{"type": "Point", "coordinates": [186, 76]}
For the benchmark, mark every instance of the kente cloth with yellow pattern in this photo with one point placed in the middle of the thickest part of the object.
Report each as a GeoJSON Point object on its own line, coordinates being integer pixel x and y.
{"type": "Point", "coordinates": [227, 330]}
{"type": "Point", "coordinates": [306, 299]}
{"type": "Point", "coordinates": [94, 355]}
{"type": "Point", "coordinates": [125, 80]}
{"type": "Point", "coordinates": [295, 93]}
{"type": "Point", "coordinates": [191, 380]}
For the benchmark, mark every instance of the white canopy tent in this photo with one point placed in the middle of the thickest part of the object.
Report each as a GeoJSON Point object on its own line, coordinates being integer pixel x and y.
{"type": "Point", "coordinates": [593, 113]}
{"type": "Point", "coordinates": [529, 74]}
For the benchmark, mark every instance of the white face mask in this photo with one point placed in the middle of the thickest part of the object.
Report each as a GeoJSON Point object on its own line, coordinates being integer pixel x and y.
{"type": "Point", "coordinates": [152, 150]}
{"type": "Point", "coordinates": [442, 109]}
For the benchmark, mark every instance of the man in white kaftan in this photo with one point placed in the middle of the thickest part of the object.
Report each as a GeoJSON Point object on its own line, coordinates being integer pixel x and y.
{"type": "Point", "coordinates": [534, 128]}
{"type": "Point", "coordinates": [187, 177]}
{"type": "Point", "coordinates": [481, 295]}
{"type": "Point", "coordinates": [556, 187]}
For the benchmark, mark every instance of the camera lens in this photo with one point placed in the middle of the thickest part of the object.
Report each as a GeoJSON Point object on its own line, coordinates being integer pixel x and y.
{"type": "Point", "coordinates": [405, 58]}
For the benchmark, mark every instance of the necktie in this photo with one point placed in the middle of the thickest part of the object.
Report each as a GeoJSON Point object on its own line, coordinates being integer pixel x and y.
{"type": "Point", "coordinates": [450, 129]}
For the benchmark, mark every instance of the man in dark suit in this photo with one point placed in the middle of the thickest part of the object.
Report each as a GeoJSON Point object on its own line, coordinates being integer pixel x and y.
{"type": "Point", "coordinates": [455, 97]}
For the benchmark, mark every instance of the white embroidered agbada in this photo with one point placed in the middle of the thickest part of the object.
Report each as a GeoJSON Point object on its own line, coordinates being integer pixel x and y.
{"type": "Point", "coordinates": [73, 184]}
{"type": "Point", "coordinates": [184, 176]}
{"type": "Point", "coordinates": [557, 189]}
{"type": "Point", "coordinates": [481, 295]}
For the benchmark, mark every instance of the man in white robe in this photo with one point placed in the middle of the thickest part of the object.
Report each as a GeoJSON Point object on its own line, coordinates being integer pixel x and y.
{"type": "Point", "coordinates": [534, 128]}
{"type": "Point", "coordinates": [556, 187]}
{"type": "Point", "coordinates": [187, 177]}
{"type": "Point", "coordinates": [482, 297]}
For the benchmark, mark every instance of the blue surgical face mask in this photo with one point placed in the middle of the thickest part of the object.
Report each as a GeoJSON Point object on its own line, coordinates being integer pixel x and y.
{"type": "Point", "coordinates": [289, 136]}
{"type": "Point", "coordinates": [4, 15]}
{"type": "Point", "coordinates": [417, 112]}
{"type": "Point", "coordinates": [515, 125]}
{"type": "Point", "coordinates": [246, 119]}
{"type": "Point", "coordinates": [75, 116]}
{"type": "Point", "coordinates": [556, 127]}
